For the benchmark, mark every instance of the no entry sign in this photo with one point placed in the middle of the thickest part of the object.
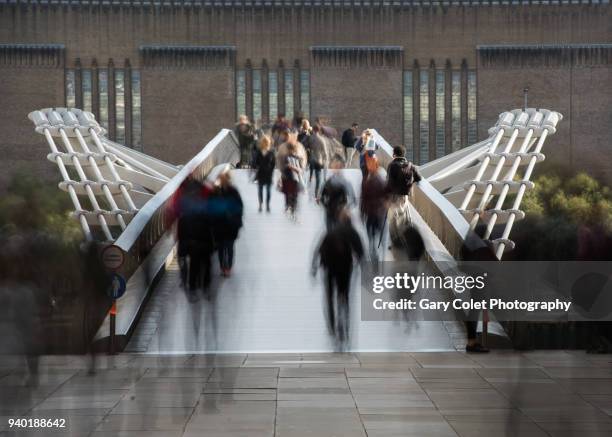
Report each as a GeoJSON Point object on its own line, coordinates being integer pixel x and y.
{"type": "Point", "coordinates": [112, 257]}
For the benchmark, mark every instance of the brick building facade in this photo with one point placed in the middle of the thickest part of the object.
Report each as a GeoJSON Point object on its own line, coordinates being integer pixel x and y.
{"type": "Point", "coordinates": [164, 76]}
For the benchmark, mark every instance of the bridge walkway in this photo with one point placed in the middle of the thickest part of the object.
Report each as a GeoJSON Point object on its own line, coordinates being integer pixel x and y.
{"type": "Point", "coordinates": [271, 303]}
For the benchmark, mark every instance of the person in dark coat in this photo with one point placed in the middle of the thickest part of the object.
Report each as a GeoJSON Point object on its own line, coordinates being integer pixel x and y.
{"type": "Point", "coordinates": [264, 164]}
{"type": "Point", "coordinates": [195, 238]}
{"type": "Point", "coordinates": [349, 138]}
{"type": "Point", "coordinates": [337, 193]}
{"type": "Point", "coordinates": [373, 205]}
{"type": "Point", "coordinates": [227, 209]}
{"type": "Point", "coordinates": [336, 254]}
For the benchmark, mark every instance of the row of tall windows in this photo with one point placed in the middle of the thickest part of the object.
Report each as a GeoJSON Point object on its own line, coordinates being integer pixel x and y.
{"type": "Point", "coordinates": [119, 87]}
{"type": "Point", "coordinates": [272, 91]}
{"type": "Point", "coordinates": [437, 100]}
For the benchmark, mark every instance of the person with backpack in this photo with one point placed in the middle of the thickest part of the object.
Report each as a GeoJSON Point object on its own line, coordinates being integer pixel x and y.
{"type": "Point", "coordinates": [337, 193]}
{"type": "Point", "coordinates": [401, 176]}
{"type": "Point", "coordinates": [264, 164]}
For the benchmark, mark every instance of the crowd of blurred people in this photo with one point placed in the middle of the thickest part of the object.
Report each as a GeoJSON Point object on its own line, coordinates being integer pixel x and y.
{"type": "Point", "coordinates": [309, 158]}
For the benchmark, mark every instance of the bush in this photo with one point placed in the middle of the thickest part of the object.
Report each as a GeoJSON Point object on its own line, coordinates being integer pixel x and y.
{"type": "Point", "coordinates": [562, 211]}
{"type": "Point", "coordinates": [31, 205]}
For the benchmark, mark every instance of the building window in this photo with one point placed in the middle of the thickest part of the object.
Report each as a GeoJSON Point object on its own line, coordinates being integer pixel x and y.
{"type": "Point", "coordinates": [273, 94]}
{"type": "Point", "coordinates": [424, 116]}
{"type": "Point", "coordinates": [305, 92]}
{"type": "Point", "coordinates": [120, 105]}
{"type": "Point", "coordinates": [86, 75]}
{"type": "Point", "coordinates": [472, 127]}
{"type": "Point", "coordinates": [440, 113]}
{"type": "Point", "coordinates": [136, 111]}
{"type": "Point", "coordinates": [257, 103]}
{"type": "Point", "coordinates": [70, 89]}
{"type": "Point", "coordinates": [456, 110]}
{"type": "Point", "coordinates": [103, 96]}
{"type": "Point", "coordinates": [289, 94]}
{"type": "Point", "coordinates": [240, 93]}
{"type": "Point", "coordinates": [408, 118]}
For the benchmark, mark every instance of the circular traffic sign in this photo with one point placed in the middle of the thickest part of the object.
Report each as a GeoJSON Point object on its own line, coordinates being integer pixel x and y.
{"type": "Point", "coordinates": [112, 257]}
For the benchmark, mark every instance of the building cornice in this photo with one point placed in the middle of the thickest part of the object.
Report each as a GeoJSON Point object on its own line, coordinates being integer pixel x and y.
{"type": "Point", "coordinates": [334, 56]}
{"type": "Point", "coordinates": [543, 55]}
{"type": "Point", "coordinates": [300, 3]}
{"type": "Point", "coordinates": [187, 57]}
{"type": "Point", "coordinates": [32, 55]}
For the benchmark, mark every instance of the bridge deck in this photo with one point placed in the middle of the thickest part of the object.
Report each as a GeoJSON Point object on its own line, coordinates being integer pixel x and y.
{"type": "Point", "coordinates": [271, 303]}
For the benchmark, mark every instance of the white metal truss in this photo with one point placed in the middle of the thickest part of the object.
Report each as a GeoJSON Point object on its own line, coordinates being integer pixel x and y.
{"type": "Point", "coordinates": [479, 178]}
{"type": "Point", "coordinates": [122, 178]}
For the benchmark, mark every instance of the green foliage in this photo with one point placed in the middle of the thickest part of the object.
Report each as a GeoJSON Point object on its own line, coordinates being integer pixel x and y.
{"type": "Point", "coordinates": [30, 204]}
{"type": "Point", "coordinates": [560, 204]}
{"type": "Point", "coordinates": [579, 199]}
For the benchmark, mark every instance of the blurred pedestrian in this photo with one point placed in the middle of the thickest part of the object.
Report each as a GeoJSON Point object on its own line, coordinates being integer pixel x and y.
{"type": "Point", "coordinates": [283, 151]}
{"type": "Point", "coordinates": [475, 253]}
{"type": "Point", "coordinates": [304, 133]}
{"type": "Point", "coordinates": [373, 205]}
{"type": "Point", "coordinates": [326, 130]}
{"type": "Point", "coordinates": [337, 193]}
{"type": "Point", "coordinates": [264, 164]}
{"type": "Point", "coordinates": [349, 138]}
{"type": "Point", "coordinates": [280, 125]}
{"type": "Point", "coordinates": [195, 237]}
{"type": "Point", "coordinates": [227, 209]}
{"type": "Point", "coordinates": [366, 146]}
{"type": "Point", "coordinates": [292, 181]}
{"type": "Point", "coordinates": [319, 158]}
{"type": "Point", "coordinates": [339, 249]}
{"type": "Point", "coordinates": [245, 132]}
{"type": "Point", "coordinates": [401, 176]}
{"type": "Point", "coordinates": [298, 119]}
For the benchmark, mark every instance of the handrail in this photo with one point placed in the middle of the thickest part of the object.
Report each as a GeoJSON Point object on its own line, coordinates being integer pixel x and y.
{"type": "Point", "coordinates": [443, 218]}
{"type": "Point", "coordinates": [153, 220]}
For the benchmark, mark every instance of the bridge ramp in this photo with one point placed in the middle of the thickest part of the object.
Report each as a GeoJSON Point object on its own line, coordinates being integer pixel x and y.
{"type": "Point", "coordinates": [271, 303]}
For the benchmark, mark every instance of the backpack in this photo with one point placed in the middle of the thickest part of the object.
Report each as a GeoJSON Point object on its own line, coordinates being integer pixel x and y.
{"type": "Point", "coordinates": [408, 175]}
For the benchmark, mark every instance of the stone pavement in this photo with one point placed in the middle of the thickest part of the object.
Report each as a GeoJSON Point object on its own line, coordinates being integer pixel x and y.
{"type": "Point", "coordinates": [505, 393]}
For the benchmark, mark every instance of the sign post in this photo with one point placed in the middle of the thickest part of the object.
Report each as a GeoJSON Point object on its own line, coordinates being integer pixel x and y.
{"type": "Point", "coordinates": [116, 290]}
{"type": "Point", "coordinates": [113, 258]}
